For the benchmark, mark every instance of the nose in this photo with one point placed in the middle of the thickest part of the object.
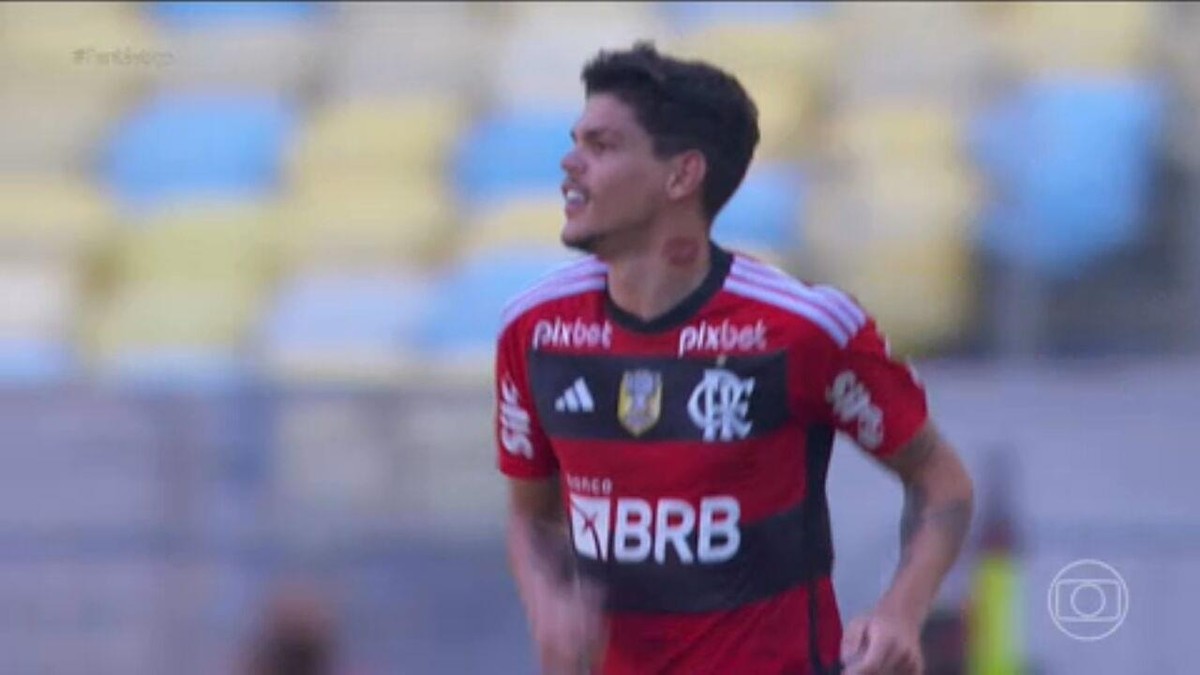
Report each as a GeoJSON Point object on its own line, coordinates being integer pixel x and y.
{"type": "Point", "coordinates": [571, 163]}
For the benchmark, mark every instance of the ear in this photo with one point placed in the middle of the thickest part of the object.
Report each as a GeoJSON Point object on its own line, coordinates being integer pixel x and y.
{"type": "Point", "coordinates": [687, 174]}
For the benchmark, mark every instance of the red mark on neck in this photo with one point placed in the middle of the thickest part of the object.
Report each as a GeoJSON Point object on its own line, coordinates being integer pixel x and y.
{"type": "Point", "coordinates": [681, 251]}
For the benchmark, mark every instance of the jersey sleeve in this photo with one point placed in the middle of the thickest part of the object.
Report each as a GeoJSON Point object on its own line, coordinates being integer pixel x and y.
{"type": "Point", "coordinates": [522, 447]}
{"type": "Point", "coordinates": [862, 390]}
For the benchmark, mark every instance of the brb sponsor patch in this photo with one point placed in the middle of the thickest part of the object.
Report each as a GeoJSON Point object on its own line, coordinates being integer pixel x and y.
{"type": "Point", "coordinates": [634, 530]}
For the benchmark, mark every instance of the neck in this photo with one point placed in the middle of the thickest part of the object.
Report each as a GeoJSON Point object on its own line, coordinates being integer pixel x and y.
{"type": "Point", "coordinates": [650, 281]}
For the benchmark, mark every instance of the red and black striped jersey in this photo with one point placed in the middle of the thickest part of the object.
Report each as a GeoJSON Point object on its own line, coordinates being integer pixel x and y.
{"type": "Point", "coordinates": [692, 451]}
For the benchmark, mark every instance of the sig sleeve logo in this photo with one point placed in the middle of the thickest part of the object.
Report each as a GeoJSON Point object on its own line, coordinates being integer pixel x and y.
{"type": "Point", "coordinates": [852, 403]}
{"type": "Point", "coordinates": [514, 421]}
{"type": "Point", "coordinates": [632, 530]}
{"type": "Point", "coordinates": [720, 404]}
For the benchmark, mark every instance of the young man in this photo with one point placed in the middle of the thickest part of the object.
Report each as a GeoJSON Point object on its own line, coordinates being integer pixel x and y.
{"type": "Point", "coordinates": [666, 411]}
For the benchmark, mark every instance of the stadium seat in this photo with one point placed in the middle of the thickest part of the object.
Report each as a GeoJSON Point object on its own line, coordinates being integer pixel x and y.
{"type": "Point", "coordinates": [194, 15]}
{"type": "Point", "coordinates": [513, 154]}
{"type": "Point", "coordinates": [784, 66]}
{"type": "Point", "coordinates": [458, 341]}
{"type": "Point", "coordinates": [172, 334]}
{"type": "Point", "coordinates": [64, 83]}
{"type": "Point", "coordinates": [356, 221]}
{"type": "Point", "coordinates": [389, 49]}
{"type": "Point", "coordinates": [198, 145]}
{"type": "Point", "coordinates": [545, 46]}
{"type": "Point", "coordinates": [52, 213]}
{"type": "Point", "coordinates": [352, 327]}
{"type": "Point", "coordinates": [915, 51]}
{"type": "Point", "coordinates": [264, 58]}
{"type": "Point", "coordinates": [35, 362]}
{"type": "Point", "coordinates": [40, 296]}
{"type": "Point", "coordinates": [762, 214]}
{"type": "Point", "coordinates": [693, 15]}
{"type": "Point", "coordinates": [181, 290]}
{"type": "Point", "coordinates": [200, 242]}
{"type": "Point", "coordinates": [1064, 38]}
{"type": "Point", "coordinates": [514, 223]}
{"type": "Point", "coordinates": [1072, 159]}
{"type": "Point", "coordinates": [391, 137]}
{"type": "Point", "coordinates": [920, 132]}
{"type": "Point", "coordinates": [878, 221]}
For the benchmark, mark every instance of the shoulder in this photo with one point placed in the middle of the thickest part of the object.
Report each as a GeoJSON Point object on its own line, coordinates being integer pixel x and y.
{"type": "Point", "coordinates": [577, 277]}
{"type": "Point", "coordinates": [819, 311]}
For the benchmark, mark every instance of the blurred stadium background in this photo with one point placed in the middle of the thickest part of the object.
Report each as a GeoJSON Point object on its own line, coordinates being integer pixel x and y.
{"type": "Point", "coordinates": [252, 257]}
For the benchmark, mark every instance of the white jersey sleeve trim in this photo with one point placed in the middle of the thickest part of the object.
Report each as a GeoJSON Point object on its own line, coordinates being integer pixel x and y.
{"type": "Point", "coordinates": [830, 309]}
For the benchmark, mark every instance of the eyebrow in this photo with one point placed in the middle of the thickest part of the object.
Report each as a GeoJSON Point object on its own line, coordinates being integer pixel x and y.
{"type": "Point", "coordinates": [597, 132]}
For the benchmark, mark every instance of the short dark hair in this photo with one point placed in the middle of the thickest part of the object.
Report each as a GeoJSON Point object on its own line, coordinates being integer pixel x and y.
{"type": "Point", "coordinates": [684, 105]}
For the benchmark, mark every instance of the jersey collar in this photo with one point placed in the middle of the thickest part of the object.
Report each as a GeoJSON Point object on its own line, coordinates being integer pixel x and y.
{"type": "Point", "coordinates": [720, 262]}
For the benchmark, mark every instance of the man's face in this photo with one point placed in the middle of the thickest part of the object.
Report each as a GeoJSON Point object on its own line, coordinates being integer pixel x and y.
{"type": "Point", "coordinates": [614, 184]}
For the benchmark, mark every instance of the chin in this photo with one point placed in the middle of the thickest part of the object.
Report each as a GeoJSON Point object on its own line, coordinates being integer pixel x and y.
{"type": "Point", "coordinates": [579, 238]}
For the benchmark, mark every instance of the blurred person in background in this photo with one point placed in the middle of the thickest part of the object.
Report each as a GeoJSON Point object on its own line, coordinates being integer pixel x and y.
{"type": "Point", "coordinates": [296, 638]}
{"type": "Point", "coordinates": [686, 399]}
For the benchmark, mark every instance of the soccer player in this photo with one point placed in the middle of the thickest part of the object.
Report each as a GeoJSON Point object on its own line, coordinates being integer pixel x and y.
{"type": "Point", "coordinates": [666, 410]}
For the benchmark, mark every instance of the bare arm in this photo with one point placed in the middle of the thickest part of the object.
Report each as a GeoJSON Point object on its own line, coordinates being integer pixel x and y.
{"type": "Point", "coordinates": [938, 505]}
{"type": "Point", "coordinates": [535, 529]}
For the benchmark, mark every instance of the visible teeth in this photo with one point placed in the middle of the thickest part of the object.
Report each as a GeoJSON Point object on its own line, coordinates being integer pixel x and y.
{"type": "Point", "coordinates": [575, 197]}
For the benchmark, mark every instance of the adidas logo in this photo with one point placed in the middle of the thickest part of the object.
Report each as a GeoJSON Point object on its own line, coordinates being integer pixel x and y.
{"type": "Point", "coordinates": [575, 399]}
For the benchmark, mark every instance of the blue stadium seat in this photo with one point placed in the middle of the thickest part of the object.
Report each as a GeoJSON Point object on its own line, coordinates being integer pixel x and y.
{"type": "Point", "coordinates": [177, 369]}
{"type": "Point", "coordinates": [34, 362]}
{"type": "Point", "coordinates": [484, 284]}
{"type": "Point", "coordinates": [185, 15]}
{"type": "Point", "coordinates": [511, 153]}
{"type": "Point", "coordinates": [344, 310]}
{"type": "Point", "coordinates": [344, 326]}
{"type": "Point", "coordinates": [1070, 162]}
{"type": "Point", "coordinates": [691, 15]}
{"type": "Point", "coordinates": [763, 212]}
{"type": "Point", "coordinates": [195, 144]}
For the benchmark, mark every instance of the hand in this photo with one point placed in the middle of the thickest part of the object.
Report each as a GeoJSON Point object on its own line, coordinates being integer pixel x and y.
{"type": "Point", "coordinates": [878, 644]}
{"type": "Point", "coordinates": [568, 625]}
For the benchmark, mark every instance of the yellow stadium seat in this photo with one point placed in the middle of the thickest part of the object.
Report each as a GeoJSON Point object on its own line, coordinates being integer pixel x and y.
{"type": "Point", "coordinates": [784, 66]}
{"type": "Point", "coordinates": [1076, 38]}
{"type": "Point", "coordinates": [200, 243]}
{"type": "Point", "coordinates": [544, 48]}
{"type": "Point", "coordinates": [523, 222]}
{"type": "Point", "coordinates": [278, 58]}
{"type": "Point", "coordinates": [899, 237]}
{"type": "Point", "coordinates": [63, 214]}
{"type": "Point", "coordinates": [85, 44]}
{"type": "Point", "coordinates": [920, 132]}
{"type": "Point", "coordinates": [147, 315]}
{"type": "Point", "coordinates": [383, 48]}
{"type": "Point", "coordinates": [387, 138]}
{"type": "Point", "coordinates": [52, 126]}
{"type": "Point", "coordinates": [363, 220]}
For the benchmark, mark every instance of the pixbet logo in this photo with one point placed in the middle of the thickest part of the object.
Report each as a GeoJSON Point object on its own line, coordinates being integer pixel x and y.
{"type": "Point", "coordinates": [633, 530]}
{"type": "Point", "coordinates": [578, 334]}
{"type": "Point", "coordinates": [725, 337]}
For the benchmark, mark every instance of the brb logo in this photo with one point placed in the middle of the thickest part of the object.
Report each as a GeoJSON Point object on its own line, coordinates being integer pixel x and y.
{"type": "Point", "coordinates": [577, 334]}
{"type": "Point", "coordinates": [725, 337]}
{"type": "Point", "coordinates": [720, 403]}
{"type": "Point", "coordinates": [633, 530]}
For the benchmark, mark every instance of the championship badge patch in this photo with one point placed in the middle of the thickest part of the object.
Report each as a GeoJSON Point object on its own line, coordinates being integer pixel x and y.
{"type": "Point", "coordinates": [640, 401]}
